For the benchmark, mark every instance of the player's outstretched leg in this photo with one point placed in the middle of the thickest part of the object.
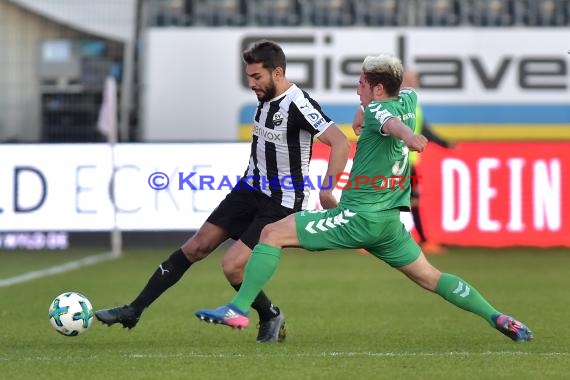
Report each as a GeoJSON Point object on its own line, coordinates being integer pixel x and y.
{"type": "Point", "coordinates": [462, 294]}
{"type": "Point", "coordinates": [228, 315]}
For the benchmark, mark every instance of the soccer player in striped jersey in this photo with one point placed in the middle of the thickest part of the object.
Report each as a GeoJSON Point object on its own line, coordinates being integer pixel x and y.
{"type": "Point", "coordinates": [284, 124]}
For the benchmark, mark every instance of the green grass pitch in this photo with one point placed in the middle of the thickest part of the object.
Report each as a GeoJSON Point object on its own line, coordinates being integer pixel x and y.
{"type": "Point", "coordinates": [348, 317]}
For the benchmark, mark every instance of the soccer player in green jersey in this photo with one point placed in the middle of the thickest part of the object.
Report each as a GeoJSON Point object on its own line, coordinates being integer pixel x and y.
{"type": "Point", "coordinates": [368, 214]}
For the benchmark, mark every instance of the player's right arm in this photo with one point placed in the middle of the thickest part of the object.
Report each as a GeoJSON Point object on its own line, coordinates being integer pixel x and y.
{"type": "Point", "coordinates": [340, 147]}
{"type": "Point", "coordinates": [311, 118]}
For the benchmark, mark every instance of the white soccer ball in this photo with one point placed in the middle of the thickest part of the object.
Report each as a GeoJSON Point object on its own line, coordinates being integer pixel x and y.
{"type": "Point", "coordinates": [71, 313]}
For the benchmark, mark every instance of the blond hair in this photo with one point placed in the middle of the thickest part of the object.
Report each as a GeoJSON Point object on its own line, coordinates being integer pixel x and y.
{"type": "Point", "coordinates": [385, 69]}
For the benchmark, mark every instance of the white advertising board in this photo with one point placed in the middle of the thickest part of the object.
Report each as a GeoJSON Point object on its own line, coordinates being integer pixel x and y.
{"type": "Point", "coordinates": [195, 84]}
{"type": "Point", "coordinates": [75, 188]}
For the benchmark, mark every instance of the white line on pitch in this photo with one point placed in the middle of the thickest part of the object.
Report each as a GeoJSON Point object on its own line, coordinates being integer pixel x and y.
{"type": "Point", "coordinates": [347, 354]}
{"type": "Point", "coordinates": [58, 269]}
{"type": "Point", "coordinates": [203, 355]}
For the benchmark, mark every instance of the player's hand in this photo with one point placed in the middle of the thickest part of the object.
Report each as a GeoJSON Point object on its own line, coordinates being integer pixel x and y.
{"type": "Point", "coordinates": [327, 199]}
{"type": "Point", "coordinates": [416, 143]}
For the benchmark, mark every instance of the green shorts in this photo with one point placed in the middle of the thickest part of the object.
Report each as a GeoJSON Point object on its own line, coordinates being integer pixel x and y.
{"type": "Point", "coordinates": [380, 233]}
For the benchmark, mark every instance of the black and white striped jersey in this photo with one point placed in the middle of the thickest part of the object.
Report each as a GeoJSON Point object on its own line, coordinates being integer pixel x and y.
{"type": "Point", "coordinates": [281, 148]}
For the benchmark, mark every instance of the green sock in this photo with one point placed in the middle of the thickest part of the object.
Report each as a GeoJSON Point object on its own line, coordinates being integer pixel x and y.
{"type": "Point", "coordinates": [457, 291]}
{"type": "Point", "coordinates": [259, 269]}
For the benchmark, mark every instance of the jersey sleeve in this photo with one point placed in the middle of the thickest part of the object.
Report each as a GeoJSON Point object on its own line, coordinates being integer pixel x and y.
{"type": "Point", "coordinates": [410, 96]}
{"type": "Point", "coordinates": [309, 116]}
{"type": "Point", "coordinates": [380, 114]}
{"type": "Point", "coordinates": [383, 114]}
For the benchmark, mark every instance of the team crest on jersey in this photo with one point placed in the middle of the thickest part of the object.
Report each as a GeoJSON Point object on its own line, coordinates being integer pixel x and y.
{"type": "Point", "coordinates": [277, 119]}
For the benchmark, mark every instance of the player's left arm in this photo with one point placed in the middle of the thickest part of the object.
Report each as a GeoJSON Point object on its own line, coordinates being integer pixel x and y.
{"type": "Point", "coordinates": [395, 127]}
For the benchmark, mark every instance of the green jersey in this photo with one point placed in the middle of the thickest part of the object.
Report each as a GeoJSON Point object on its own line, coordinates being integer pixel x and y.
{"type": "Point", "coordinates": [380, 174]}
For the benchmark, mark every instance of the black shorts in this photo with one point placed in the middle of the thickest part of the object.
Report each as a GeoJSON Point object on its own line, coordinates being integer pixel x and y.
{"type": "Point", "coordinates": [244, 212]}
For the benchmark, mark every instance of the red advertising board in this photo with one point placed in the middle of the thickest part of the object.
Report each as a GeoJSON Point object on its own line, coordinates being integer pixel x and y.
{"type": "Point", "coordinates": [497, 194]}
{"type": "Point", "coordinates": [494, 194]}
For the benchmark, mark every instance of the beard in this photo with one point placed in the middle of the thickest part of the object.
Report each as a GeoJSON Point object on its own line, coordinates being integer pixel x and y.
{"type": "Point", "coordinates": [268, 93]}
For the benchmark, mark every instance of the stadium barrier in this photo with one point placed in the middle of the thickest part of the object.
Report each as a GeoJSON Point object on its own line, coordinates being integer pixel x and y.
{"type": "Point", "coordinates": [481, 194]}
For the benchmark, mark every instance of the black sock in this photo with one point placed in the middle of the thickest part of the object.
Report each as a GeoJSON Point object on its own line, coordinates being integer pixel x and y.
{"type": "Point", "coordinates": [262, 305]}
{"type": "Point", "coordinates": [418, 223]}
{"type": "Point", "coordinates": [167, 274]}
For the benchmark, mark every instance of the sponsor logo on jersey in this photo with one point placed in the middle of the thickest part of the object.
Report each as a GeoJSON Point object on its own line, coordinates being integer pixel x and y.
{"type": "Point", "coordinates": [316, 119]}
{"type": "Point", "coordinates": [269, 134]}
